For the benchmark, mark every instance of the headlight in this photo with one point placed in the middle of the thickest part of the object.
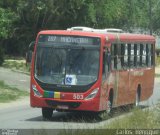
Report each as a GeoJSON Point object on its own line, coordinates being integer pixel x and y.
{"type": "Point", "coordinates": [36, 92]}
{"type": "Point", "coordinates": [92, 94]}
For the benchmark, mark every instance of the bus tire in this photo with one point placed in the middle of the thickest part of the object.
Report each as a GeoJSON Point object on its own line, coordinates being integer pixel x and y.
{"type": "Point", "coordinates": [138, 95]}
{"type": "Point", "coordinates": [108, 112]}
{"type": "Point", "coordinates": [47, 113]}
{"type": "Point", "coordinates": [110, 102]}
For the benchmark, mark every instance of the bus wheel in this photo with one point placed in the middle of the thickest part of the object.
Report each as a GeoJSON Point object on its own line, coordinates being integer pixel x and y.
{"type": "Point", "coordinates": [110, 102]}
{"type": "Point", "coordinates": [47, 113]}
{"type": "Point", "coordinates": [137, 100]}
{"type": "Point", "coordinates": [103, 115]}
{"type": "Point", "coordinates": [109, 107]}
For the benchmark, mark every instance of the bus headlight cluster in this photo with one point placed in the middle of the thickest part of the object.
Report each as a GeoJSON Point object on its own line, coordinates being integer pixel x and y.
{"type": "Point", "coordinates": [92, 94]}
{"type": "Point", "coordinates": [36, 92]}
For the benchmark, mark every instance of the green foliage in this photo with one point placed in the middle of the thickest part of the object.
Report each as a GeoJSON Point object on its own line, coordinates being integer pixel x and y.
{"type": "Point", "coordinates": [7, 17]}
{"type": "Point", "coordinates": [1, 56]}
{"type": "Point", "coordinates": [18, 65]}
{"type": "Point", "coordinates": [139, 119]}
{"type": "Point", "coordinates": [157, 61]}
{"type": "Point", "coordinates": [21, 20]}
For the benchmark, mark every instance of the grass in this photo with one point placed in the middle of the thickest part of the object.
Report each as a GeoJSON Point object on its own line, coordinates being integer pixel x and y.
{"type": "Point", "coordinates": [157, 61]}
{"type": "Point", "coordinates": [8, 93]}
{"type": "Point", "coordinates": [13, 57]}
{"type": "Point", "coordinates": [157, 75]}
{"type": "Point", "coordinates": [139, 119]}
{"type": "Point", "coordinates": [18, 64]}
{"type": "Point", "coordinates": [158, 65]}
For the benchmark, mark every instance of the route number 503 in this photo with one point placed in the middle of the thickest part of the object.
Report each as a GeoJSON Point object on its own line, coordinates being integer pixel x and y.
{"type": "Point", "coordinates": [77, 96]}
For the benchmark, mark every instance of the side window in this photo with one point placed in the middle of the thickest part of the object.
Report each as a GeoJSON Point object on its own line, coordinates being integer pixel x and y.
{"type": "Point", "coordinates": [123, 55]}
{"type": "Point", "coordinates": [144, 56]}
{"type": "Point", "coordinates": [126, 55]}
{"type": "Point", "coordinates": [114, 55]}
{"type": "Point", "coordinates": [148, 56]}
{"type": "Point", "coordinates": [152, 55]}
{"type": "Point", "coordinates": [132, 56]}
{"type": "Point", "coordinates": [138, 55]}
{"type": "Point", "coordinates": [117, 56]}
{"type": "Point", "coordinates": [135, 55]}
{"type": "Point", "coordinates": [106, 62]}
{"type": "Point", "coordinates": [141, 54]}
{"type": "Point", "coordinates": [129, 55]}
{"type": "Point", "coordinates": [108, 57]}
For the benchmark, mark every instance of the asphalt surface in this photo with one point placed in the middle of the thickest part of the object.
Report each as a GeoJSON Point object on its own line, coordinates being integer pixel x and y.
{"type": "Point", "coordinates": [19, 114]}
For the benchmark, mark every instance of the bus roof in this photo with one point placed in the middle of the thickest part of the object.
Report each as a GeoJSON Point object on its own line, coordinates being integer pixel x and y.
{"type": "Point", "coordinates": [112, 37]}
{"type": "Point", "coordinates": [106, 30]}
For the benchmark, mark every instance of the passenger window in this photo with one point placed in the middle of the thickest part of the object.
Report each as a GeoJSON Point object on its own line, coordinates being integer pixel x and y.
{"type": "Point", "coordinates": [129, 55]}
{"type": "Point", "coordinates": [138, 55]}
{"type": "Point", "coordinates": [119, 56]}
{"type": "Point", "coordinates": [126, 56]}
{"type": "Point", "coordinates": [147, 53]}
{"type": "Point", "coordinates": [106, 62]}
{"type": "Point", "coordinates": [132, 56]}
{"type": "Point", "coordinates": [144, 56]}
{"type": "Point", "coordinates": [123, 55]}
{"type": "Point", "coordinates": [148, 57]}
{"type": "Point", "coordinates": [152, 55]}
{"type": "Point", "coordinates": [141, 54]}
{"type": "Point", "coordinates": [114, 55]}
{"type": "Point", "coordinates": [135, 55]}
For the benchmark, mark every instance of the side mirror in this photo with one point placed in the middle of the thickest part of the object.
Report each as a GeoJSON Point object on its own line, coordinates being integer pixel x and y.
{"type": "Point", "coordinates": [29, 52]}
{"type": "Point", "coordinates": [28, 56]}
{"type": "Point", "coordinates": [31, 46]}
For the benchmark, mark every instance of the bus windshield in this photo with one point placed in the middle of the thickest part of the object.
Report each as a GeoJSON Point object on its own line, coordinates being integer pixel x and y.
{"type": "Point", "coordinates": [66, 64]}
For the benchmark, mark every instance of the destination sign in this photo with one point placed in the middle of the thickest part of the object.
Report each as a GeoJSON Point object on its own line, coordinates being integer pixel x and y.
{"type": "Point", "coordinates": [80, 40]}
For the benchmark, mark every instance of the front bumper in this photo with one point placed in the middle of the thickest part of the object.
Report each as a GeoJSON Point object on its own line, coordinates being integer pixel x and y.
{"type": "Point", "coordinates": [81, 105]}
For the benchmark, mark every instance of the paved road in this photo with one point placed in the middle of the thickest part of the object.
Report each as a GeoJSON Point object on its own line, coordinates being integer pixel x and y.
{"type": "Point", "coordinates": [20, 115]}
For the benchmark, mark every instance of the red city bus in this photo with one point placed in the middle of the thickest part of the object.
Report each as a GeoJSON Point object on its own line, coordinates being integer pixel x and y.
{"type": "Point", "coordinates": [93, 70]}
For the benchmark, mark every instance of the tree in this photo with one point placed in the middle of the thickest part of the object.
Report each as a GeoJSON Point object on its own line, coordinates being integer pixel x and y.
{"type": "Point", "coordinates": [6, 19]}
{"type": "Point", "coordinates": [21, 20]}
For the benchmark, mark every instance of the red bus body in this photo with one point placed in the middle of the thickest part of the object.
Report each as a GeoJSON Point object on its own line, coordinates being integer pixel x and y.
{"type": "Point", "coordinates": [121, 83]}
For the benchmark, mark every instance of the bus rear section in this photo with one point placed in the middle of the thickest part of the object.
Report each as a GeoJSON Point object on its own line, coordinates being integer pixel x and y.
{"type": "Point", "coordinates": [65, 73]}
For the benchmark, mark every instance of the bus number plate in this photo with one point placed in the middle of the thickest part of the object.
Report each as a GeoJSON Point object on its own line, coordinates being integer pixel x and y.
{"type": "Point", "coordinates": [77, 96]}
{"type": "Point", "coordinates": [62, 107]}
